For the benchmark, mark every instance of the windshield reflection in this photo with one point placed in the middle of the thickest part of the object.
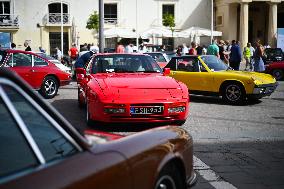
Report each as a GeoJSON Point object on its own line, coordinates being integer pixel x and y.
{"type": "Point", "coordinates": [125, 63]}
{"type": "Point", "coordinates": [214, 63]}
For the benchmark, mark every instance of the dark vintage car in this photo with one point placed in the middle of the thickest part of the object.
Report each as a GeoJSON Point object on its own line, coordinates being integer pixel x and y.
{"type": "Point", "coordinates": [273, 55]}
{"type": "Point", "coordinates": [276, 69]}
{"type": "Point", "coordinates": [40, 149]}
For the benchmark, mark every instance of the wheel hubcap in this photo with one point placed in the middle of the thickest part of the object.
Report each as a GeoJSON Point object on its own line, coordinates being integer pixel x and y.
{"type": "Point", "coordinates": [50, 87]}
{"type": "Point", "coordinates": [233, 93]}
{"type": "Point", "coordinates": [165, 182]}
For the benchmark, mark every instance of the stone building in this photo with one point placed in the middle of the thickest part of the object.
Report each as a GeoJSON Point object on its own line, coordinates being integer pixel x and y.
{"type": "Point", "coordinates": [249, 20]}
{"type": "Point", "coordinates": [39, 21]}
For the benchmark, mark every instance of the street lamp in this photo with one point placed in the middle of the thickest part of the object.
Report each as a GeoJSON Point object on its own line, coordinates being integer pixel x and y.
{"type": "Point", "coordinates": [101, 26]}
{"type": "Point", "coordinates": [212, 9]}
{"type": "Point", "coordinates": [61, 4]}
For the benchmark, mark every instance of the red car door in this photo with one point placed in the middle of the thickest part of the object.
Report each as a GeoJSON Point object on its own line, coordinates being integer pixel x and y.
{"type": "Point", "coordinates": [22, 65]}
{"type": "Point", "coordinates": [40, 70]}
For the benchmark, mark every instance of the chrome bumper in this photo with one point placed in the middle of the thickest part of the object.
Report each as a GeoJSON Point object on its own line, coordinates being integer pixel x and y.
{"type": "Point", "coordinates": [265, 90]}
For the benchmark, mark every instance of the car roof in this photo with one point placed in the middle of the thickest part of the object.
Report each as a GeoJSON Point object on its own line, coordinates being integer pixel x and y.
{"type": "Point", "coordinates": [12, 76]}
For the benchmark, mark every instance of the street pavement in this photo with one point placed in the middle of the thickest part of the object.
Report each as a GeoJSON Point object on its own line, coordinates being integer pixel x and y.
{"type": "Point", "coordinates": [234, 146]}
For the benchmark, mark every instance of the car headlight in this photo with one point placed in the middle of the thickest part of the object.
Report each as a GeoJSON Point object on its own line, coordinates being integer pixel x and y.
{"type": "Point", "coordinates": [114, 110]}
{"type": "Point", "coordinates": [258, 90]}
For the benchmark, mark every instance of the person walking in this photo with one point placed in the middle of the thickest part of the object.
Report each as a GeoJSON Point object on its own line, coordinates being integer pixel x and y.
{"type": "Point", "coordinates": [235, 55]}
{"type": "Point", "coordinates": [184, 49]}
{"type": "Point", "coordinates": [120, 48]}
{"type": "Point", "coordinates": [213, 49]}
{"type": "Point", "coordinates": [192, 50]}
{"type": "Point", "coordinates": [58, 54]}
{"type": "Point", "coordinates": [73, 52]}
{"type": "Point", "coordinates": [13, 46]}
{"type": "Point", "coordinates": [247, 57]}
{"type": "Point", "coordinates": [28, 48]}
{"type": "Point", "coordinates": [258, 57]}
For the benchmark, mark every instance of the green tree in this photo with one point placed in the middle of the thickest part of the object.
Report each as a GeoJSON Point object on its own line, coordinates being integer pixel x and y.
{"type": "Point", "coordinates": [169, 21]}
{"type": "Point", "coordinates": [93, 21]}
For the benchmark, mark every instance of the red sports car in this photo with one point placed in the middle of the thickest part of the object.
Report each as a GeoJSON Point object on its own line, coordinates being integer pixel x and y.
{"type": "Point", "coordinates": [276, 69]}
{"type": "Point", "coordinates": [130, 88]}
{"type": "Point", "coordinates": [41, 74]}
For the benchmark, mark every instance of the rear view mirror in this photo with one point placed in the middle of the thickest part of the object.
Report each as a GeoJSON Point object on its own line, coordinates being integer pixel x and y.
{"type": "Point", "coordinates": [167, 71]}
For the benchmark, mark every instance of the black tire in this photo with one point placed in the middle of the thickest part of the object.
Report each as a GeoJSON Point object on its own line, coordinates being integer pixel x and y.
{"type": "Point", "coordinates": [278, 74]}
{"type": "Point", "coordinates": [49, 87]}
{"type": "Point", "coordinates": [181, 122]}
{"type": "Point", "coordinates": [233, 93]}
{"type": "Point", "coordinates": [170, 178]}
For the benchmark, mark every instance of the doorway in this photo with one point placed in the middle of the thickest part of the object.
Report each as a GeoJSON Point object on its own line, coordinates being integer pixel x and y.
{"type": "Point", "coordinates": [55, 41]}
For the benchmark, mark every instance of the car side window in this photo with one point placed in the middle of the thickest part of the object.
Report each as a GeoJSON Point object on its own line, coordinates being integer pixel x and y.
{"type": "Point", "coordinates": [15, 152]}
{"type": "Point", "coordinates": [20, 59]}
{"type": "Point", "coordinates": [39, 62]}
{"type": "Point", "coordinates": [52, 143]}
{"type": "Point", "coordinates": [172, 64]}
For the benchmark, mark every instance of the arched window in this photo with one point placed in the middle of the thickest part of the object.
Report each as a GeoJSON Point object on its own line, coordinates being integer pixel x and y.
{"type": "Point", "coordinates": [54, 10]}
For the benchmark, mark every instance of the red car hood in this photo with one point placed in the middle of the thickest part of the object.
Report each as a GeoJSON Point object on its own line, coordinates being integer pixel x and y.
{"type": "Point", "coordinates": [139, 85]}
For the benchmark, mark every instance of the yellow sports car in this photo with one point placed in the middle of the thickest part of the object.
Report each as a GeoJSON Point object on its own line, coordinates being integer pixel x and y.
{"type": "Point", "coordinates": [208, 75]}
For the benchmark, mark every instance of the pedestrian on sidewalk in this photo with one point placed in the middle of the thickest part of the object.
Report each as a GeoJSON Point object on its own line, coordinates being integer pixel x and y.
{"type": "Point", "coordinates": [213, 49]}
{"type": "Point", "coordinates": [258, 57]}
{"type": "Point", "coordinates": [247, 56]}
{"type": "Point", "coordinates": [235, 55]}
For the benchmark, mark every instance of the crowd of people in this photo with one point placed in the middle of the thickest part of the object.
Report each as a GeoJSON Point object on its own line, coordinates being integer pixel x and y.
{"type": "Point", "coordinates": [229, 52]}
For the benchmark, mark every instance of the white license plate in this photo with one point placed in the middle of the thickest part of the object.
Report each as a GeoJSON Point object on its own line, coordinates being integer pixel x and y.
{"type": "Point", "coordinates": [147, 110]}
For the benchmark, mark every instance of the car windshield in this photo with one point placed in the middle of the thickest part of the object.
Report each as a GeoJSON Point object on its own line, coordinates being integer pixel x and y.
{"type": "Point", "coordinates": [43, 55]}
{"type": "Point", "coordinates": [122, 63]}
{"type": "Point", "coordinates": [214, 63]}
{"type": "Point", "coordinates": [273, 52]}
{"type": "Point", "coordinates": [158, 57]}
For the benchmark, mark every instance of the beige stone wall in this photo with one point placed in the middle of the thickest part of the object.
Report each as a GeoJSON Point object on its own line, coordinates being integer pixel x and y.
{"type": "Point", "coordinates": [149, 12]}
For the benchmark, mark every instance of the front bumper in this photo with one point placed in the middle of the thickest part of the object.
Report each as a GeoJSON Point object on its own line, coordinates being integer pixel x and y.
{"type": "Point", "coordinates": [264, 90]}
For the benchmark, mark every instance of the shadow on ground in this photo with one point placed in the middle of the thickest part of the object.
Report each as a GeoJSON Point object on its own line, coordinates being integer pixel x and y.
{"type": "Point", "coordinates": [218, 100]}
{"type": "Point", "coordinates": [77, 117]}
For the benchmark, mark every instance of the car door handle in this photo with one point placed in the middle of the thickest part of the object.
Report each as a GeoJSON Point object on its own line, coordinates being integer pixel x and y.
{"type": "Point", "coordinates": [32, 70]}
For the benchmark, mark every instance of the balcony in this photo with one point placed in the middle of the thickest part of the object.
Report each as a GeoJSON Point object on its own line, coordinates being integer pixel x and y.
{"type": "Point", "coordinates": [110, 21]}
{"type": "Point", "coordinates": [54, 19]}
{"type": "Point", "coordinates": [9, 21]}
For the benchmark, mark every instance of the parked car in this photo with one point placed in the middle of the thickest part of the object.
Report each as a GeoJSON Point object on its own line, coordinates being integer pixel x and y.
{"type": "Point", "coordinates": [160, 57]}
{"type": "Point", "coordinates": [273, 55]}
{"type": "Point", "coordinates": [130, 88]}
{"type": "Point", "coordinates": [41, 74]}
{"type": "Point", "coordinates": [208, 75]}
{"type": "Point", "coordinates": [55, 61]}
{"type": "Point", "coordinates": [276, 69]}
{"type": "Point", "coordinates": [40, 149]}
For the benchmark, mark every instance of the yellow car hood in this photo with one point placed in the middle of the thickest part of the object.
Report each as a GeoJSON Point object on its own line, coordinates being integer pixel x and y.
{"type": "Point", "coordinates": [259, 78]}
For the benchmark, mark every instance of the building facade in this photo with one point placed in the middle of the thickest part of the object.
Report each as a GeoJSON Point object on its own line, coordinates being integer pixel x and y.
{"type": "Point", "coordinates": [39, 21]}
{"type": "Point", "coordinates": [249, 20]}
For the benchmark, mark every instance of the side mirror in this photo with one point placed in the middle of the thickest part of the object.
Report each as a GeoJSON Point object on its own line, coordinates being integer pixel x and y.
{"type": "Point", "coordinates": [167, 71]}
